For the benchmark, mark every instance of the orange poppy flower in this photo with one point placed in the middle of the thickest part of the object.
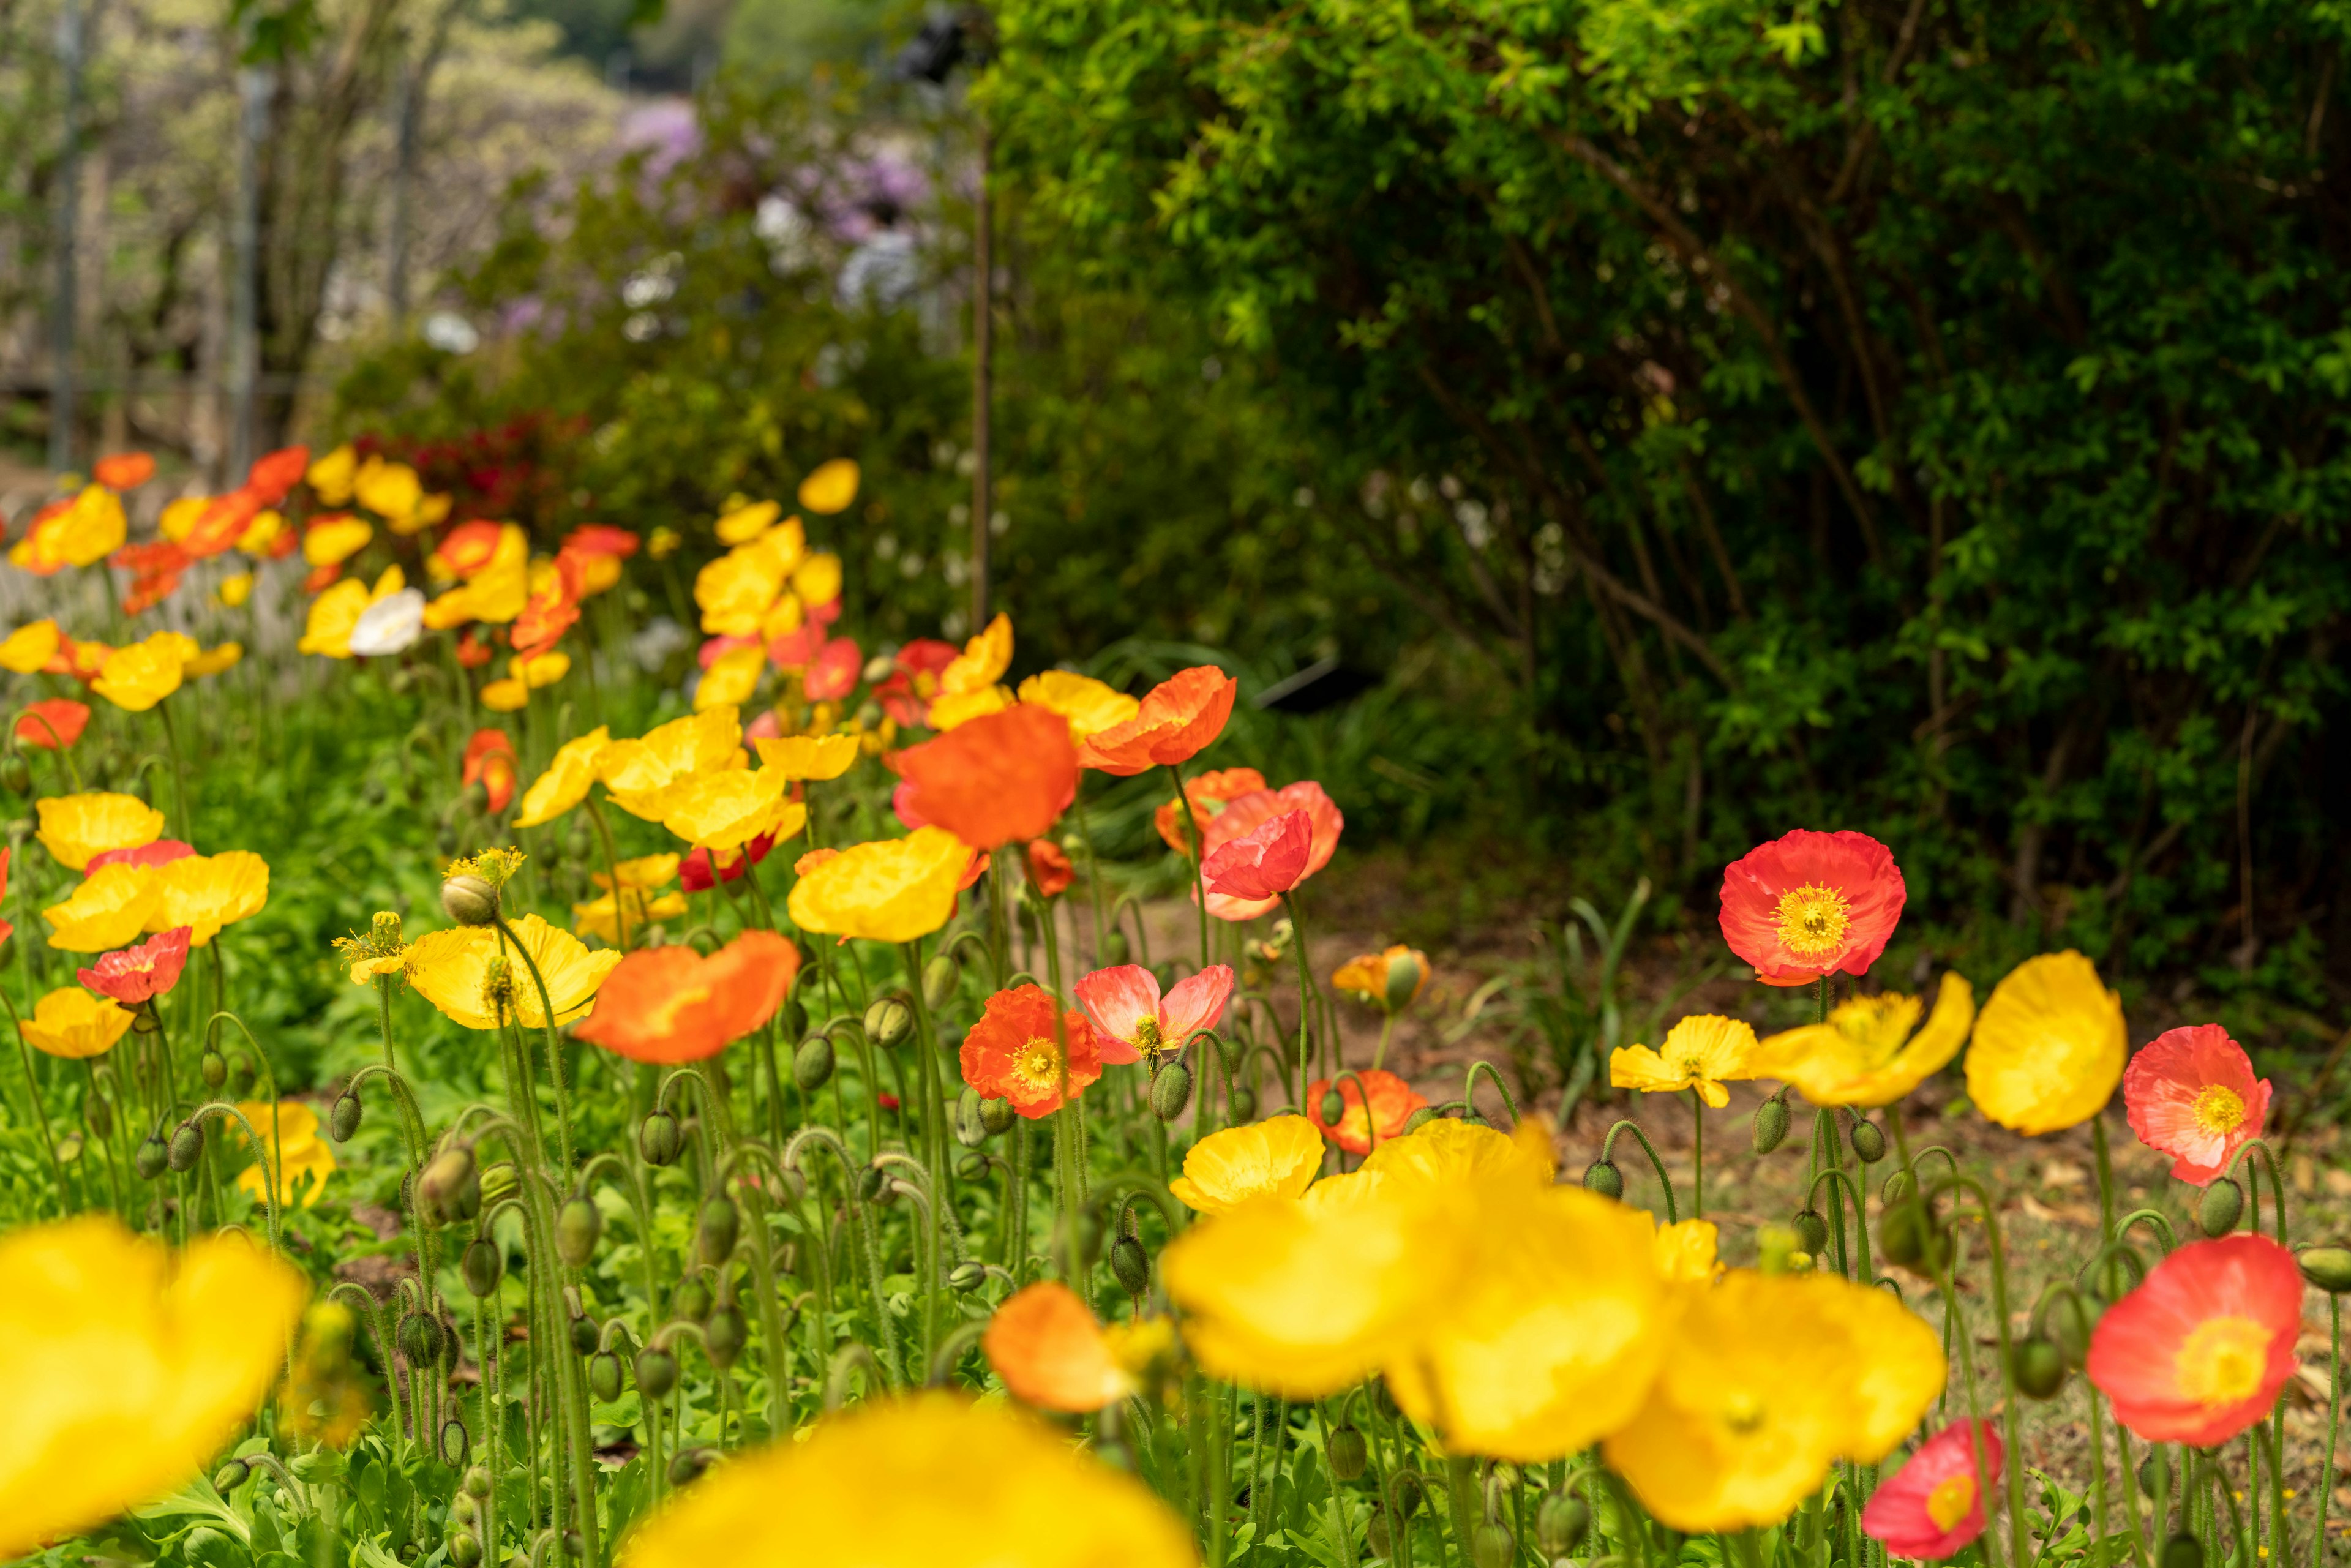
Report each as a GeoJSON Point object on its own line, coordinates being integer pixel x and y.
{"type": "Point", "coordinates": [1392, 1101]}
{"type": "Point", "coordinates": [52, 723]}
{"type": "Point", "coordinates": [2202, 1348]}
{"type": "Point", "coordinates": [1244, 814]}
{"type": "Point", "coordinates": [469, 548]}
{"type": "Point", "coordinates": [124, 470]}
{"type": "Point", "coordinates": [1207, 794]}
{"type": "Point", "coordinates": [1002, 776]}
{"type": "Point", "coordinates": [1012, 1053]}
{"type": "Point", "coordinates": [474, 651]}
{"type": "Point", "coordinates": [552, 608]}
{"type": "Point", "coordinates": [155, 568]}
{"type": "Point", "coordinates": [274, 474]}
{"type": "Point", "coordinates": [490, 759]}
{"type": "Point", "coordinates": [671, 1004]}
{"type": "Point", "coordinates": [1178, 719]}
{"type": "Point", "coordinates": [2192, 1094]}
{"type": "Point", "coordinates": [832, 675]}
{"type": "Point", "coordinates": [1049, 870]}
{"type": "Point", "coordinates": [1808, 904]}
{"type": "Point", "coordinates": [1051, 1354]}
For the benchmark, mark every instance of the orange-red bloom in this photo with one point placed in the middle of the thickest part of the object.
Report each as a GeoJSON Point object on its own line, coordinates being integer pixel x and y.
{"type": "Point", "coordinates": [672, 1004]}
{"type": "Point", "coordinates": [162, 851]}
{"type": "Point", "coordinates": [124, 470]}
{"type": "Point", "coordinates": [1207, 794]}
{"type": "Point", "coordinates": [155, 569]}
{"type": "Point", "coordinates": [2192, 1094]}
{"type": "Point", "coordinates": [1393, 1103]}
{"type": "Point", "coordinates": [135, 973]}
{"type": "Point", "coordinates": [473, 652]}
{"type": "Point", "coordinates": [2198, 1351]}
{"type": "Point", "coordinates": [274, 474]}
{"type": "Point", "coordinates": [51, 723]}
{"type": "Point", "coordinates": [1002, 776]}
{"type": "Point", "coordinates": [906, 694]}
{"type": "Point", "coordinates": [1012, 1053]}
{"type": "Point", "coordinates": [1177, 720]}
{"type": "Point", "coordinates": [1263, 864]}
{"type": "Point", "coordinates": [490, 759]}
{"type": "Point", "coordinates": [1808, 904]}
{"type": "Point", "coordinates": [1049, 870]}
{"type": "Point", "coordinates": [1244, 814]}
{"type": "Point", "coordinates": [551, 612]}
{"type": "Point", "coordinates": [834, 673]}
{"type": "Point", "coordinates": [1051, 1354]}
{"type": "Point", "coordinates": [469, 548]}
{"type": "Point", "coordinates": [1934, 1505]}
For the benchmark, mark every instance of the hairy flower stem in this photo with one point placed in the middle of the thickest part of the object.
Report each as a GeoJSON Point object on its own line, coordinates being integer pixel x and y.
{"type": "Point", "coordinates": [41, 1112]}
{"type": "Point", "coordinates": [1192, 853]}
{"type": "Point", "coordinates": [934, 1156]}
{"type": "Point", "coordinates": [1698, 1154]}
{"type": "Point", "coordinates": [179, 772]}
{"type": "Point", "coordinates": [554, 1053]}
{"type": "Point", "coordinates": [611, 864]}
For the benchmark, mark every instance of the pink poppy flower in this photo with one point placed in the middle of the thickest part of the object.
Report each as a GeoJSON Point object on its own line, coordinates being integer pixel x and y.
{"type": "Point", "coordinates": [136, 974]}
{"type": "Point", "coordinates": [1132, 1019]}
{"type": "Point", "coordinates": [2192, 1094]}
{"type": "Point", "coordinates": [1934, 1505]}
{"type": "Point", "coordinates": [1244, 814]}
{"type": "Point", "coordinates": [162, 851]}
{"type": "Point", "coordinates": [1264, 864]}
{"type": "Point", "coordinates": [2202, 1347]}
{"type": "Point", "coordinates": [834, 672]}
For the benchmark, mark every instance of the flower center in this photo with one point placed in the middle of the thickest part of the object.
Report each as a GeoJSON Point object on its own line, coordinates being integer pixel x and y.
{"type": "Point", "coordinates": [1742, 1412]}
{"type": "Point", "coordinates": [2222, 1361]}
{"type": "Point", "coordinates": [2220, 1110]}
{"type": "Point", "coordinates": [1147, 1032]}
{"type": "Point", "coordinates": [1812, 920]}
{"type": "Point", "coordinates": [1035, 1067]}
{"type": "Point", "coordinates": [1953, 1499]}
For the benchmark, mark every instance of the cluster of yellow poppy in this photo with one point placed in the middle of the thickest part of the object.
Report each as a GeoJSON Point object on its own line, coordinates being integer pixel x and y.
{"type": "Point", "coordinates": [121, 900]}
{"type": "Point", "coordinates": [134, 678]}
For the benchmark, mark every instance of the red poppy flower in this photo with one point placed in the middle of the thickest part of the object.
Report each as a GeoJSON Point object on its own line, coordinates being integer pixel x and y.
{"type": "Point", "coordinates": [1392, 1101]}
{"type": "Point", "coordinates": [469, 547]}
{"type": "Point", "coordinates": [905, 696]}
{"type": "Point", "coordinates": [223, 521]}
{"type": "Point", "coordinates": [1207, 794]}
{"type": "Point", "coordinates": [135, 973]}
{"type": "Point", "coordinates": [2198, 1351]}
{"type": "Point", "coordinates": [1808, 904]}
{"type": "Point", "coordinates": [490, 758]}
{"type": "Point", "coordinates": [834, 673]}
{"type": "Point", "coordinates": [601, 538]}
{"type": "Point", "coordinates": [1244, 814]}
{"type": "Point", "coordinates": [1012, 1053]}
{"type": "Point", "coordinates": [798, 648]}
{"type": "Point", "coordinates": [155, 568]}
{"type": "Point", "coordinates": [1002, 776]}
{"type": "Point", "coordinates": [1177, 720]}
{"type": "Point", "coordinates": [671, 1004]}
{"type": "Point", "coordinates": [1934, 1505]}
{"type": "Point", "coordinates": [162, 851]}
{"type": "Point", "coordinates": [52, 723]}
{"type": "Point", "coordinates": [1263, 864]}
{"type": "Point", "coordinates": [716, 648]}
{"type": "Point", "coordinates": [695, 872]}
{"type": "Point", "coordinates": [473, 652]}
{"type": "Point", "coordinates": [547, 614]}
{"type": "Point", "coordinates": [275, 474]}
{"type": "Point", "coordinates": [124, 470]}
{"type": "Point", "coordinates": [322, 578]}
{"type": "Point", "coordinates": [7, 928]}
{"type": "Point", "coordinates": [2192, 1094]}
{"type": "Point", "coordinates": [1049, 870]}
{"type": "Point", "coordinates": [826, 613]}
{"type": "Point", "coordinates": [1131, 1019]}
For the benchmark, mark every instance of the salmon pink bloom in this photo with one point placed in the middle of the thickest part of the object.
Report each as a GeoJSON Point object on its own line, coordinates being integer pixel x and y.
{"type": "Point", "coordinates": [1393, 1103]}
{"type": "Point", "coordinates": [697, 872]}
{"type": "Point", "coordinates": [1012, 1053]}
{"type": "Point", "coordinates": [137, 974]}
{"type": "Point", "coordinates": [162, 851]}
{"type": "Point", "coordinates": [1808, 904]}
{"type": "Point", "coordinates": [1263, 864]}
{"type": "Point", "coordinates": [2192, 1094]}
{"type": "Point", "coordinates": [1244, 814]}
{"type": "Point", "coordinates": [1177, 720]}
{"type": "Point", "coordinates": [832, 675]}
{"type": "Point", "coordinates": [1134, 1020]}
{"type": "Point", "coordinates": [1002, 776]}
{"type": "Point", "coordinates": [52, 723]}
{"type": "Point", "coordinates": [671, 1004]}
{"type": "Point", "coordinates": [2199, 1350]}
{"type": "Point", "coordinates": [1934, 1505]}
{"type": "Point", "coordinates": [1207, 794]}
{"type": "Point", "coordinates": [1049, 870]}
{"type": "Point", "coordinates": [490, 760]}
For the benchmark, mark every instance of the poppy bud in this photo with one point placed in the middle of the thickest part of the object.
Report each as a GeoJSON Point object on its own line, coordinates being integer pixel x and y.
{"type": "Point", "coordinates": [966, 1277]}
{"type": "Point", "coordinates": [656, 1373]}
{"type": "Point", "coordinates": [419, 1340]}
{"type": "Point", "coordinates": [469, 900]}
{"type": "Point", "coordinates": [657, 1138]}
{"type": "Point", "coordinates": [2038, 1367]}
{"type": "Point", "coordinates": [888, 1022]}
{"type": "Point", "coordinates": [576, 1230]}
{"type": "Point", "coordinates": [1409, 1491]}
{"type": "Point", "coordinates": [604, 1375]}
{"type": "Point", "coordinates": [812, 1064]}
{"type": "Point", "coordinates": [971, 1167]}
{"type": "Point", "coordinates": [1897, 1189]}
{"type": "Point", "coordinates": [1562, 1520]}
{"type": "Point", "coordinates": [1770, 1124]}
{"type": "Point", "coordinates": [1910, 1235]}
{"type": "Point", "coordinates": [1333, 1107]}
{"type": "Point", "coordinates": [214, 1066]}
{"type": "Point", "coordinates": [574, 1544]}
{"type": "Point", "coordinates": [1419, 1119]}
{"type": "Point", "coordinates": [1171, 1092]}
{"type": "Point", "coordinates": [143, 1020]}
{"type": "Point", "coordinates": [450, 1189]}
{"type": "Point", "coordinates": [1244, 1103]}
{"type": "Point", "coordinates": [152, 1158]}
{"type": "Point", "coordinates": [1130, 1265]}
{"type": "Point", "coordinates": [970, 1130]}
{"type": "Point", "coordinates": [16, 775]}
{"type": "Point", "coordinates": [1869, 1142]}
{"type": "Point", "coordinates": [1348, 1453]}
{"type": "Point", "coordinates": [1404, 977]}
{"type": "Point", "coordinates": [1812, 1230]}
{"type": "Point", "coordinates": [231, 1476]}
{"type": "Point", "coordinates": [1491, 1546]}
{"type": "Point", "coordinates": [483, 1266]}
{"type": "Point", "coordinates": [688, 1465]}
{"type": "Point", "coordinates": [465, 1549]}
{"type": "Point", "coordinates": [2183, 1550]}
{"type": "Point", "coordinates": [1377, 1534]}
{"type": "Point", "coordinates": [1779, 1250]}
{"type": "Point", "coordinates": [2223, 1205]}
{"type": "Point", "coordinates": [1603, 1177]}
{"type": "Point", "coordinates": [583, 1335]}
{"type": "Point", "coordinates": [940, 977]}
{"type": "Point", "coordinates": [1115, 951]}
{"type": "Point", "coordinates": [477, 1482]}
{"type": "Point", "coordinates": [465, 1509]}
{"type": "Point", "coordinates": [99, 1114]}
{"type": "Point", "coordinates": [725, 1335]}
{"type": "Point", "coordinates": [187, 1147]}
{"type": "Point", "coordinates": [343, 1120]}
{"type": "Point", "coordinates": [455, 1442]}
{"type": "Point", "coordinates": [2328, 1268]}
{"type": "Point", "coordinates": [2072, 1329]}
{"type": "Point", "coordinates": [873, 1184]}
{"type": "Point", "coordinates": [997, 1116]}
{"type": "Point", "coordinates": [692, 1300]}
{"type": "Point", "coordinates": [717, 1229]}
{"type": "Point", "coordinates": [70, 1148]}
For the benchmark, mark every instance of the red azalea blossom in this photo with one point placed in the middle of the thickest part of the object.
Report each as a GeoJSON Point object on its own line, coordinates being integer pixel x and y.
{"type": "Point", "coordinates": [2199, 1351]}
{"type": "Point", "coordinates": [1393, 1101]}
{"type": "Point", "coordinates": [1049, 870]}
{"type": "Point", "coordinates": [1011, 1053]}
{"type": "Point", "coordinates": [52, 723]}
{"type": "Point", "coordinates": [1808, 904]}
{"type": "Point", "coordinates": [694, 872]}
{"type": "Point", "coordinates": [162, 851]}
{"type": "Point", "coordinates": [136, 974]}
{"type": "Point", "coordinates": [1131, 1017]}
{"type": "Point", "coordinates": [1244, 814]}
{"type": "Point", "coordinates": [1263, 864]}
{"type": "Point", "coordinates": [834, 674]}
{"type": "Point", "coordinates": [1934, 1505]}
{"type": "Point", "coordinates": [490, 759]}
{"type": "Point", "coordinates": [2192, 1094]}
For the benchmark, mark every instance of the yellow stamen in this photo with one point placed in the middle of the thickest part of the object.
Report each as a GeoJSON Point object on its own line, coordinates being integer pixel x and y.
{"type": "Point", "coordinates": [1742, 1412]}
{"type": "Point", "coordinates": [1037, 1066]}
{"type": "Point", "coordinates": [2222, 1361]}
{"type": "Point", "coordinates": [1812, 920]}
{"type": "Point", "coordinates": [2220, 1110]}
{"type": "Point", "coordinates": [1953, 1499]}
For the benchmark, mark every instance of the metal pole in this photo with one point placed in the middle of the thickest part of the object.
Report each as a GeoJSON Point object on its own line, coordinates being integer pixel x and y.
{"type": "Point", "coordinates": [983, 343]}
{"type": "Point", "coordinates": [66, 306]}
{"type": "Point", "coordinates": [253, 84]}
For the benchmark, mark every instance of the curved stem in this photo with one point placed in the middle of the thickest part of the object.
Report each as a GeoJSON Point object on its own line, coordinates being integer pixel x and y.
{"type": "Point", "coordinates": [1608, 1145]}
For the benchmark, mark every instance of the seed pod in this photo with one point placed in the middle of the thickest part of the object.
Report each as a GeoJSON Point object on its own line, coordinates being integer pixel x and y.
{"type": "Point", "coordinates": [2038, 1367]}
{"type": "Point", "coordinates": [725, 1335]}
{"type": "Point", "coordinates": [469, 900]}
{"type": "Point", "coordinates": [576, 1228]}
{"type": "Point", "coordinates": [2223, 1205]}
{"type": "Point", "coordinates": [812, 1064]}
{"type": "Point", "coordinates": [1419, 1119]}
{"type": "Point", "coordinates": [1812, 1230]}
{"type": "Point", "coordinates": [1562, 1520]}
{"type": "Point", "coordinates": [477, 1482]}
{"type": "Point", "coordinates": [455, 1443]}
{"type": "Point", "coordinates": [1348, 1453]}
{"type": "Point", "coordinates": [583, 1335]}
{"type": "Point", "coordinates": [604, 1375]}
{"type": "Point", "coordinates": [970, 1130]}
{"type": "Point", "coordinates": [152, 1158]}
{"type": "Point", "coordinates": [187, 1147]}
{"type": "Point", "coordinates": [997, 1116]}
{"type": "Point", "coordinates": [940, 977]}
{"type": "Point", "coordinates": [688, 1465]}
{"type": "Point", "coordinates": [656, 1373]}
{"type": "Point", "coordinates": [442, 1191]}
{"type": "Point", "coordinates": [1869, 1142]}
{"type": "Point", "coordinates": [214, 1066]}
{"type": "Point", "coordinates": [465, 1549]}
{"type": "Point", "coordinates": [1171, 1092]}
{"type": "Point", "coordinates": [966, 1277]}
{"type": "Point", "coordinates": [657, 1138]}
{"type": "Point", "coordinates": [1130, 1265]}
{"type": "Point", "coordinates": [2183, 1550]}
{"type": "Point", "coordinates": [2328, 1268]}
{"type": "Point", "coordinates": [888, 1022]}
{"type": "Point", "coordinates": [1244, 1103]}
{"type": "Point", "coordinates": [1770, 1129]}
{"type": "Point", "coordinates": [1603, 1177]}
{"type": "Point", "coordinates": [716, 1230]}
{"type": "Point", "coordinates": [484, 1264]}
{"type": "Point", "coordinates": [344, 1119]}
{"type": "Point", "coordinates": [692, 1300]}
{"type": "Point", "coordinates": [1492, 1546]}
{"type": "Point", "coordinates": [1333, 1107]}
{"type": "Point", "coordinates": [231, 1476]}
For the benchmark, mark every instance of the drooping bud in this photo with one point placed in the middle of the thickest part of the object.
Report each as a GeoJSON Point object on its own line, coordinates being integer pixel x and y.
{"type": "Point", "coordinates": [99, 1114]}
{"type": "Point", "coordinates": [604, 1375]}
{"type": "Point", "coordinates": [1348, 1453]}
{"type": "Point", "coordinates": [2223, 1205]}
{"type": "Point", "coordinates": [2072, 1322]}
{"type": "Point", "coordinates": [692, 1300]}
{"type": "Point", "coordinates": [656, 1373]}
{"type": "Point", "coordinates": [716, 1228]}
{"type": "Point", "coordinates": [1562, 1520]}
{"type": "Point", "coordinates": [657, 1138]}
{"type": "Point", "coordinates": [1130, 1265]}
{"type": "Point", "coordinates": [940, 977]}
{"type": "Point", "coordinates": [970, 1130]}
{"type": "Point", "coordinates": [2328, 1268]}
{"type": "Point", "coordinates": [231, 1476]}
{"type": "Point", "coordinates": [419, 1340]}
{"type": "Point", "coordinates": [971, 1165]}
{"type": "Point", "coordinates": [968, 1277]}
{"type": "Point", "coordinates": [1492, 1546]}
{"type": "Point", "coordinates": [214, 1066]}
{"type": "Point", "coordinates": [465, 1509]}
{"type": "Point", "coordinates": [1409, 1491]}
{"type": "Point", "coordinates": [1378, 1534]}
{"type": "Point", "coordinates": [1419, 1119]}
{"type": "Point", "coordinates": [888, 1022]}
{"type": "Point", "coordinates": [1333, 1107]}
{"type": "Point", "coordinates": [451, 1188]}
{"type": "Point", "coordinates": [483, 1265]}
{"type": "Point", "coordinates": [187, 1147]}
{"type": "Point", "coordinates": [1910, 1235]}
{"type": "Point", "coordinates": [997, 1116]}
{"type": "Point", "coordinates": [1171, 1092]}
{"type": "Point", "coordinates": [1812, 1230]}
{"type": "Point", "coordinates": [242, 1074]}
{"type": "Point", "coordinates": [873, 1184]}
{"type": "Point", "coordinates": [152, 1158]}
{"type": "Point", "coordinates": [1603, 1177]}
{"type": "Point", "coordinates": [1244, 1103]}
{"type": "Point", "coordinates": [724, 1335]}
{"type": "Point", "coordinates": [16, 775]}
{"type": "Point", "coordinates": [457, 1443]}
{"type": "Point", "coordinates": [1897, 1189]}
{"type": "Point", "coordinates": [1869, 1142]}
{"type": "Point", "coordinates": [576, 1228]}
{"type": "Point", "coordinates": [469, 900]}
{"type": "Point", "coordinates": [1779, 1250]}
{"type": "Point", "coordinates": [1771, 1125]}
{"type": "Point", "coordinates": [688, 1465]}
{"type": "Point", "coordinates": [343, 1120]}
{"type": "Point", "coordinates": [2038, 1367]}
{"type": "Point", "coordinates": [465, 1549]}
{"type": "Point", "coordinates": [812, 1064]}
{"type": "Point", "coordinates": [583, 1335]}
{"type": "Point", "coordinates": [2183, 1550]}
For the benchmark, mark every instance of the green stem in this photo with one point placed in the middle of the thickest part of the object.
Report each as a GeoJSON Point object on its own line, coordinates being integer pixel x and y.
{"type": "Point", "coordinates": [611, 863]}
{"type": "Point", "coordinates": [1698, 1154]}
{"type": "Point", "coordinates": [179, 773]}
{"type": "Point", "coordinates": [1192, 853]}
{"type": "Point", "coordinates": [554, 1053]}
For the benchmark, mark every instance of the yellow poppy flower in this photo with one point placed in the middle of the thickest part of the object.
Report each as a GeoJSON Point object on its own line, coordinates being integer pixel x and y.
{"type": "Point", "coordinates": [898, 1483]}
{"type": "Point", "coordinates": [784, 615]}
{"type": "Point", "coordinates": [600, 918]}
{"type": "Point", "coordinates": [731, 679]}
{"type": "Point", "coordinates": [1392, 980]}
{"type": "Point", "coordinates": [982, 661]}
{"type": "Point", "coordinates": [86, 533]}
{"type": "Point", "coordinates": [891, 889]}
{"type": "Point", "coordinates": [109, 910]}
{"type": "Point", "coordinates": [495, 594]}
{"type": "Point", "coordinates": [260, 533]}
{"type": "Point", "coordinates": [331, 475]}
{"type": "Point", "coordinates": [637, 772]}
{"type": "Point", "coordinates": [830, 488]}
{"type": "Point", "coordinates": [335, 614]}
{"type": "Point", "coordinates": [817, 756]}
{"type": "Point", "coordinates": [71, 1023]}
{"type": "Point", "coordinates": [1702, 1051]}
{"type": "Point", "coordinates": [566, 779]}
{"type": "Point", "coordinates": [1866, 1053]}
{"type": "Point", "coordinates": [235, 589]}
{"type": "Point", "coordinates": [742, 524]}
{"type": "Point", "coordinates": [73, 828]}
{"type": "Point", "coordinates": [1769, 1380]}
{"type": "Point", "coordinates": [817, 580]}
{"type": "Point", "coordinates": [727, 811]}
{"type": "Point", "coordinates": [505, 696]}
{"type": "Point", "coordinates": [646, 871]}
{"type": "Point", "coordinates": [962, 708]}
{"type": "Point", "coordinates": [138, 677]}
{"type": "Point", "coordinates": [206, 892]}
{"type": "Point", "coordinates": [735, 591]}
{"type": "Point", "coordinates": [30, 647]}
{"type": "Point", "coordinates": [1447, 1152]}
{"type": "Point", "coordinates": [127, 1367]}
{"type": "Point", "coordinates": [212, 661]}
{"type": "Point", "coordinates": [390, 490]}
{"type": "Point", "coordinates": [1687, 1252]}
{"type": "Point", "coordinates": [1278, 1157]}
{"type": "Point", "coordinates": [2049, 1045]}
{"type": "Point", "coordinates": [541, 669]}
{"type": "Point", "coordinates": [331, 543]}
{"type": "Point", "coordinates": [1090, 706]}
{"type": "Point", "coordinates": [451, 970]}
{"type": "Point", "coordinates": [304, 1160]}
